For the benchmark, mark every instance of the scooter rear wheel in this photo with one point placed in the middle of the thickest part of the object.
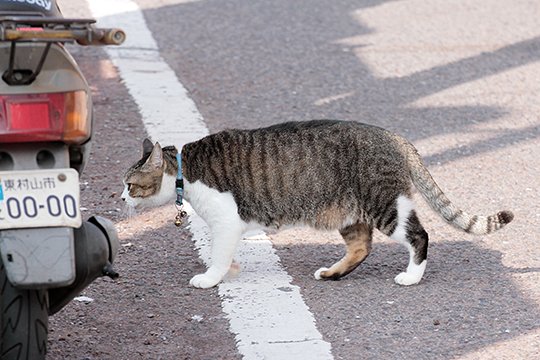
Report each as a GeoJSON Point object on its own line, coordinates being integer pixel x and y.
{"type": "Point", "coordinates": [24, 321]}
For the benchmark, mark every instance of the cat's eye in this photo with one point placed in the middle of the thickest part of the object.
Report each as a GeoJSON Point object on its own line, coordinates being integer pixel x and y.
{"type": "Point", "coordinates": [132, 186]}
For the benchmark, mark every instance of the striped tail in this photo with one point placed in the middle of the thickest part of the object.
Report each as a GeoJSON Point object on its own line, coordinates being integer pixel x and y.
{"type": "Point", "coordinates": [473, 224]}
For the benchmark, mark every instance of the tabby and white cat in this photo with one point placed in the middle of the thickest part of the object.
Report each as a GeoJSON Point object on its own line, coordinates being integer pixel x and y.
{"type": "Point", "coordinates": [325, 174]}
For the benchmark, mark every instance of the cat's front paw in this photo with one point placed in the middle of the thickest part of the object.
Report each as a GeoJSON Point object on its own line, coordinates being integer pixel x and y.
{"type": "Point", "coordinates": [203, 281]}
{"type": "Point", "coordinates": [407, 279]}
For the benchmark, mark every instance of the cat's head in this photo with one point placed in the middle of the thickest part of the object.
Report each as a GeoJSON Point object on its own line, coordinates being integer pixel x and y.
{"type": "Point", "coordinates": [151, 180]}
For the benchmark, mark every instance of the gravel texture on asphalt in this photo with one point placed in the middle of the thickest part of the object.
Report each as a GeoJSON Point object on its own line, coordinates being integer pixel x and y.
{"type": "Point", "coordinates": [460, 79]}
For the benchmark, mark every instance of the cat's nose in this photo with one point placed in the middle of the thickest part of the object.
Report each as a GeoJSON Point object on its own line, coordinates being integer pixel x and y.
{"type": "Point", "coordinates": [124, 194]}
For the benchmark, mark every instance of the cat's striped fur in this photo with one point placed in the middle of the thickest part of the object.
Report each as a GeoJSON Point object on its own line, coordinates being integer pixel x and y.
{"type": "Point", "coordinates": [326, 174]}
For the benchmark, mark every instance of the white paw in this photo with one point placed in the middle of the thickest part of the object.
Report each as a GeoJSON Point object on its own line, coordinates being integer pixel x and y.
{"type": "Point", "coordinates": [203, 281]}
{"type": "Point", "coordinates": [407, 279]}
{"type": "Point", "coordinates": [318, 273]}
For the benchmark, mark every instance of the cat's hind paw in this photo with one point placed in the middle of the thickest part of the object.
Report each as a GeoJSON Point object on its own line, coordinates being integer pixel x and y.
{"type": "Point", "coordinates": [318, 273]}
{"type": "Point", "coordinates": [203, 281]}
{"type": "Point", "coordinates": [407, 279]}
{"type": "Point", "coordinates": [413, 275]}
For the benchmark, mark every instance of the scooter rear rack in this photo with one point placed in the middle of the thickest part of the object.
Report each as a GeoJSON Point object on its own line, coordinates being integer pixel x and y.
{"type": "Point", "coordinates": [43, 29]}
{"type": "Point", "coordinates": [48, 30]}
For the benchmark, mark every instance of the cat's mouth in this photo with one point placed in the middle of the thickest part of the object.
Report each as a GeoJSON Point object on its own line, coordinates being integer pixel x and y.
{"type": "Point", "coordinates": [129, 203]}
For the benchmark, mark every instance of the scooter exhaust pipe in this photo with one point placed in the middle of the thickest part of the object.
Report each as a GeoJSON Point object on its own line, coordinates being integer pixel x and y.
{"type": "Point", "coordinates": [96, 246]}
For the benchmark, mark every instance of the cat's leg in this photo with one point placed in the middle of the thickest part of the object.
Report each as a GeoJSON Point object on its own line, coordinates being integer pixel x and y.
{"type": "Point", "coordinates": [226, 235]}
{"type": "Point", "coordinates": [220, 212]}
{"type": "Point", "coordinates": [358, 240]}
{"type": "Point", "coordinates": [410, 232]}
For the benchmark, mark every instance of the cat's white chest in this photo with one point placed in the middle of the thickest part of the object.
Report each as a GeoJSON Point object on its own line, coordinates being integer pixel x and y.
{"type": "Point", "coordinates": [211, 205]}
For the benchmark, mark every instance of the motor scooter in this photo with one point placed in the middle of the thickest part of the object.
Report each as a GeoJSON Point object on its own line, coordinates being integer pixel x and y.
{"type": "Point", "coordinates": [48, 253]}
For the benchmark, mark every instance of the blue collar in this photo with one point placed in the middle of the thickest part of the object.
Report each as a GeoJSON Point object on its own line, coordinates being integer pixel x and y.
{"type": "Point", "coordinates": [179, 182]}
{"type": "Point", "coordinates": [181, 214]}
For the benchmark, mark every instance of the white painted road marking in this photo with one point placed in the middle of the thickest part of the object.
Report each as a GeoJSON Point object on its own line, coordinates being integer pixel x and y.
{"type": "Point", "coordinates": [265, 312]}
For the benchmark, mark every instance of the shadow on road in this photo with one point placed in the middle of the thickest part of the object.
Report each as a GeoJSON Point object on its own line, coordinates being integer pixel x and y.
{"type": "Point", "coordinates": [266, 64]}
{"type": "Point", "coordinates": [260, 65]}
{"type": "Point", "coordinates": [468, 300]}
{"type": "Point", "coordinates": [247, 64]}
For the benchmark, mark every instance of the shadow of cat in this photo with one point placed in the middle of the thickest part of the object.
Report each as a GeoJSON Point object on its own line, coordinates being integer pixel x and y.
{"type": "Point", "coordinates": [467, 300]}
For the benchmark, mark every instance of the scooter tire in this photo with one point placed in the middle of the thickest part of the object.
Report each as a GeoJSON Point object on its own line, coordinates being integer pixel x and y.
{"type": "Point", "coordinates": [24, 321]}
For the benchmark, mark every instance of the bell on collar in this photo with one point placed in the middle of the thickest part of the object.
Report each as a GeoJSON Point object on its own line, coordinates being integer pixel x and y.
{"type": "Point", "coordinates": [179, 218]}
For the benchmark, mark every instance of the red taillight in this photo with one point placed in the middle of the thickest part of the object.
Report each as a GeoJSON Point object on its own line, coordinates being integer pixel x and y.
{"type": "Point", "coordinates": [44, 117]}
{"type": "Point", "coordinates": [29, 116]}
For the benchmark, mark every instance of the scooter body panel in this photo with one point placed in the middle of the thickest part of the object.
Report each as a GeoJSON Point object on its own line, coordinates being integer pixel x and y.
{"type": "Point", "coordinates": [38, 258]}
{"type": "Point", "coordinates": [60, 72]}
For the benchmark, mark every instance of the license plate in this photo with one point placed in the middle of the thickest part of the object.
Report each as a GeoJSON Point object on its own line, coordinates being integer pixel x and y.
{"type": "Point", "coordinates": [39, 198]}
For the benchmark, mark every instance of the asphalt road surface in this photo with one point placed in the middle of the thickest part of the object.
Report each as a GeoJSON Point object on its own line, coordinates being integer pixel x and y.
{"type": "Point", "coordinates": [460, 79]}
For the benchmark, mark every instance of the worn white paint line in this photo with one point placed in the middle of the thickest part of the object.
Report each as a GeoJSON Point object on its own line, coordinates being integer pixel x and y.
{"type": "Point", "coordinates": [266, 313]}
{"type": "Point", "coordinates": [169, 115]}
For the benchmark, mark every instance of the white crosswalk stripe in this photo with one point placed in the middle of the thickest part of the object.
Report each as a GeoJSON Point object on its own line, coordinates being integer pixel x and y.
{"type": "Point", "coordinates": [266, 313]}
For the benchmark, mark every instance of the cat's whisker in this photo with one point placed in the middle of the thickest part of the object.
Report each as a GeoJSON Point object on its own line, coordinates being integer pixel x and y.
{"type": "Point", "coordinates": [137, 221]}
{"type": "Point", "coordinates": [128, 211]}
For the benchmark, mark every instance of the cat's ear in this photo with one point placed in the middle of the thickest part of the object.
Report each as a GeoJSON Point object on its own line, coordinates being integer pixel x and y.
{"type": "Point", "coordinates": [155, 160]}
{"type": "Point", "coordinates": [147, 147]}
